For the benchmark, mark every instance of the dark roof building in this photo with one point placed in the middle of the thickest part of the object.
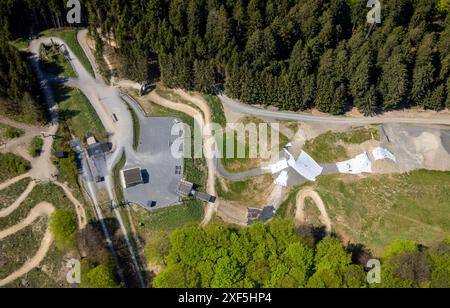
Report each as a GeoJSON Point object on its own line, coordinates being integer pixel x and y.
{"type": "Point", "coordinates": [131, 177]}
{"type": "Point", "coordinates": [185, 188]}
{"type": "Point", "coordinates": [60, 154]}
{"type": "Point", "coordinates": [97, 149]}
{"type": "Point", "coordinates": [205, 197]}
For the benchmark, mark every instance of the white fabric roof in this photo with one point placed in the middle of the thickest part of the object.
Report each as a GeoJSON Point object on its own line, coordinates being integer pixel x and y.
{"type": "Point", "coordinates": [382, 153]}
{"type": "Point", "coordinates": [359, 164]}
{"type": "Point", "coordinates": [306, 166]}
{"type": "Point", "coordinates": [279, 166]}
{"type": "Point", "coordinates": [282, 179]}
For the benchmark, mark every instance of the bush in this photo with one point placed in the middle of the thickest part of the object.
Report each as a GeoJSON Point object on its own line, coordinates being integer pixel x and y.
{"type": "Point", "coordinates": [12, 133]}
{"type": "Point", "coordinates": [158, 249]}
{"type": "Point", "coordinates": [63, 224]}
{"type": "Point", "coordinates": [36, 147]}
{"type": "Point", "coordinates": [12, 165]}
{"type": "Point", "coordinates": [101, 276]}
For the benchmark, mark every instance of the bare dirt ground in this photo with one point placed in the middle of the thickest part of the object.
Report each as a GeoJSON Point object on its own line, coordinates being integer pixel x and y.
{"type": "Point", "coordinates": [233, 213]}
{"type": "Point", "coordinates": [300, 217]}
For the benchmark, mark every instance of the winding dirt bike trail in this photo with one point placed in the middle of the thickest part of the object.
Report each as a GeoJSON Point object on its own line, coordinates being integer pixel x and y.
{"type": "Point", "coordinates": [79, 208]}
{"type": "Point", "coordinates": [42, 209]}
{"type": "Point", "coordinates": [13, 181]}
{"type": "Point", "coordinates": [7, 211]}
{"type": "Point", "coordinates": [300, 216]}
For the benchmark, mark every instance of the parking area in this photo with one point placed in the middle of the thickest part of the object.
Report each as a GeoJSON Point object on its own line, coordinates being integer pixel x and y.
{"type": "Point", "coordinates": [161, 171]}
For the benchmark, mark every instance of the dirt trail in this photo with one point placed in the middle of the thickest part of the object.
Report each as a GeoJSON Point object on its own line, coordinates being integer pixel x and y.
{"type": "Point", "coordinates": [20, 125]}
{"type": "Point", "coordinates": [14, 181]}
{"type": "Point", "coordinates": [300, 216]}
{"type": "Point", "coordinates": [79, 209]}
{"type": "Point", "coordinates": [211, 186]}
{"type": "Point", "coordinates": [7, 211]}
{"type": "Point", "coordinates": [42, 209]}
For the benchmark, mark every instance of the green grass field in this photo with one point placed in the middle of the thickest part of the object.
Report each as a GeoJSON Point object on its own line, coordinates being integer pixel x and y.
{"type": "Point", "coordinates": [76, 109]}
{"type": "Point", "coordinates": [330, 147]}
{"type": "Point", "coordinates": [246, 163]}
{"type": "Point", "coordinates": [250, 192]}
{"type": "Point", "coordinates": [36, 145]}
{"type": "Point", "coordinates": [378, 210]}
{"type": "Point", "coordinates": [190, 212]}
{"type": "Point", "coordinates": [70, 37]}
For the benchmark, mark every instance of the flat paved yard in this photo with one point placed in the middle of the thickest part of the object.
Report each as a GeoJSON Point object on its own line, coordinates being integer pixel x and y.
{"type": "Point", "coordinates": [158, 165]}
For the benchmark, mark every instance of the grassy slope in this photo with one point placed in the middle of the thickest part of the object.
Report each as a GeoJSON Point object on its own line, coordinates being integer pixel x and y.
{"type": "Point", "coordinates": [250, 192]}
{"type": "Point", "coordinates": [328, 147]}
{"type": "Point", "coordinates": [80, 114]}
{"type": "Point", "coordinates": [378, 210]}
{"type": "Point", "coordinates": [244, 164]}
{"type": "Point", "coordinates": [70, 37]}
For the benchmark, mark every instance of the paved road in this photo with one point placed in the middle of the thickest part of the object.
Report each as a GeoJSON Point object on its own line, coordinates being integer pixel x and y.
{"type": "Point", "coordinates": [106, 102]}
{"type": "Point", "coordinates": [236, 106]}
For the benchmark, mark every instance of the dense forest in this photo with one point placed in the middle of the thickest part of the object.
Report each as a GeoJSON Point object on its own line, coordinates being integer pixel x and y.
{"type": "Point", "coordinates": [291, 54]}
{"type": "Point", "coordinates": [278, 255]}
{"type": "Point", "coordinates": [19, 90]}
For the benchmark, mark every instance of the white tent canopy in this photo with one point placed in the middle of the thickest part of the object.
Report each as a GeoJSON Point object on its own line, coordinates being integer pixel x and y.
{"type": "Point", "coordinates": [279, 166]}
{"type": "Point", "coordinates": [382, 153]}
{"type": "Point", "coordinates": [305, 165]}
{"type": "Point", "coordinates": [359, 164]}
{"type": "Point", "coordinates": [282, 179]}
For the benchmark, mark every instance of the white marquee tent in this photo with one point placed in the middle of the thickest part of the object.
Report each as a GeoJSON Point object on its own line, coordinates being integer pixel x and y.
{"type": "Point", "coordinates": [305, 165]}
{"type": "Point", "coordinates": [359, 164]}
